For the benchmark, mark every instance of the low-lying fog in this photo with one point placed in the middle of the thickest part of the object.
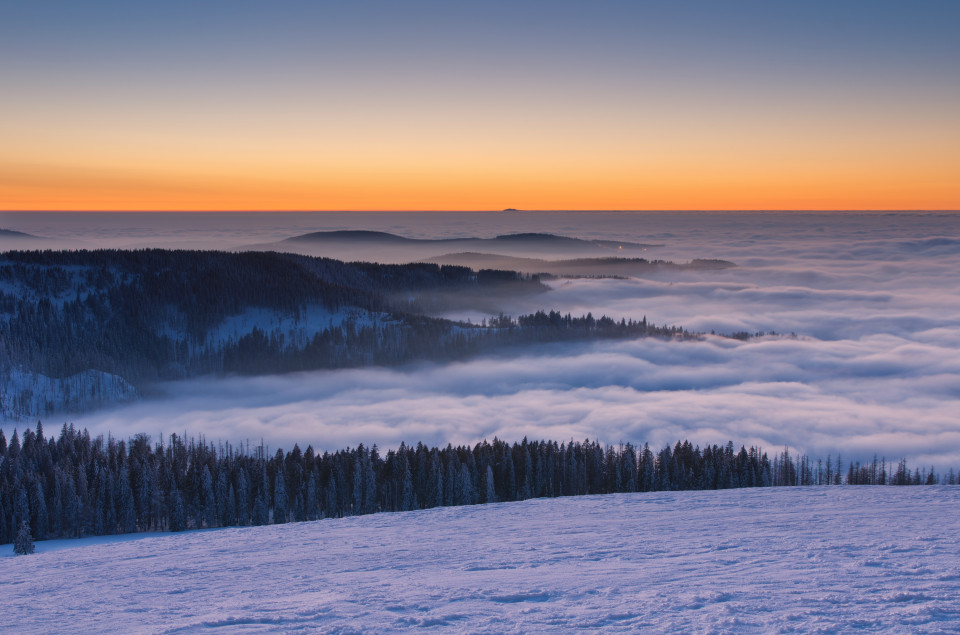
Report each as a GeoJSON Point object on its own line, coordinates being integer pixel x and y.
{"type": "Point", "coordinates": [873, 298]}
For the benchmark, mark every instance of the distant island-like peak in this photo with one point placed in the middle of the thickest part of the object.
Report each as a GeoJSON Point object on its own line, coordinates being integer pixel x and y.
{"type": "Point", "coordinates": [10, 233]}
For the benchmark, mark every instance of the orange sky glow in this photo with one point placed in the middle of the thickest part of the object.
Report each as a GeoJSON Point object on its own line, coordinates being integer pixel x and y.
{"type": "Point", "coordinates": [634, 106]}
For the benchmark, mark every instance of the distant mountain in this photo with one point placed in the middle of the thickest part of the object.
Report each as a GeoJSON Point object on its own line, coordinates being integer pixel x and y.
{"type": "Point", "coordinates": [10, 233]}
{"type": "Point", "coordinates": [373, 246]}
{"type": "Point", "coordinates": [535, 240]}
{"type": "Point", "coordinates": [353, 235]}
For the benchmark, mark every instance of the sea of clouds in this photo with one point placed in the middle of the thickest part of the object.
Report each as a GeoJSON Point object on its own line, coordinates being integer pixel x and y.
{"type": "Point", "coordinates": [867, 356]}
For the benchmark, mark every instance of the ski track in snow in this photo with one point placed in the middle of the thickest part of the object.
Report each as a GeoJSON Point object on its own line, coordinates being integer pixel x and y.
{"type": "Point", "coordinates": [827, 559]}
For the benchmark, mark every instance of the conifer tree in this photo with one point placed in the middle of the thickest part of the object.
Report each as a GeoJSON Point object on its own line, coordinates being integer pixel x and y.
{"type": "Point", "coordinates": [311, 502]}
{"type": "Point", "coordinates": [406, 496]}
{"type": "Point", "coordinates": [128, 514]}
{"type": "Point", "coordinates": [178, 513]}
{"type": "Point", "coordinates": [209, 500]}
{"type": "Point", "coordinates": [229, 508]}
{"type": "Point", "coordinates": [331, 504]}
{"type": "Point", "coordinates": [279, 498]}
{"type": "Point", "coordinates": [21, 510]}
{"type": "Point", "coordinates": [23, 544]}
{"type": "Point", "coordinates": [243, 498]}
{"type": "Point", "coordinates": [224, 496]}
{"type": "Point", "coordinates": [261, 515]}
{"type": "Point", "coordinates": [38, 506]}
{"type": "Point", "coordinates": [491, 493]}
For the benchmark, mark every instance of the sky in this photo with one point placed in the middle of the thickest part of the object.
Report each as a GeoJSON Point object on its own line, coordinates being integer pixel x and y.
{"type": "Point", "coordinates": [440, 105]}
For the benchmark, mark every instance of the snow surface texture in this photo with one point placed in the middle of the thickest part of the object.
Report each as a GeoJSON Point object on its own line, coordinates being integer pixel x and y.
{"type": "Point", "coordinates": [828, 559]}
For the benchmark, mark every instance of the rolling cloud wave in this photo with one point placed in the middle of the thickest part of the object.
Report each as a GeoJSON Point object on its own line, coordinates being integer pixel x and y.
{"type": "Point", "coordinates": [874, 302]}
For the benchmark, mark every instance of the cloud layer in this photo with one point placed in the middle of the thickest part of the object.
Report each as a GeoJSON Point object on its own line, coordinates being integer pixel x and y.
{"type": "Point", "coordinates": [874, 300]}
{"type": "Point", "coordinates": [881, 393]}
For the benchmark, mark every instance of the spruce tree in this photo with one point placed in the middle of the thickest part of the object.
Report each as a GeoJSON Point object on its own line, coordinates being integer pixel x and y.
{"type": "Point", "coordinates": [311, 502]}
{"type": "Point", "coordinates": [261, 514]}
{"type": "Point", "coordinates": [331, 502]}
{"type": "Point", "coordinates": [178, 513]}
{"type": "Point", "coordinates": [243, 499]}
{"type": "Point", "coordinates": [229, 507]}
{"type": "Point", "coordinates": [224, 497]}
{"type": "Point", "coordinates": [357, 507]}
{"type": "Point", "coordinates": [23, 544]}
{"type": "Point", "coordinates": [128, 513]}
{"type": "Point", "coordinates": [490, 494]}
{"type": "Point", "coordinates": [3, 523]}
{"type": "Point", "coordinates": [280, 499]}
{"type": "Point", "coordinates": [406, 490]}
{"type": "Point", "coordinates": [209, 499]}
{"type": "Point", "coordinates": [38, 506]}
{"type": "Point", "coordinates": [369, 484]}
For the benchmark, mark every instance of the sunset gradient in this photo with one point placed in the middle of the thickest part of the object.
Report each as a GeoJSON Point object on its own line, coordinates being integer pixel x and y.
{"type": "Point", "coordinates": [455, 106]}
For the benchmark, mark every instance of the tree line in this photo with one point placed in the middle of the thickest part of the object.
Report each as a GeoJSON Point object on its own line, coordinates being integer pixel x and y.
{"type": "Point", "coordinates": [76, 485]}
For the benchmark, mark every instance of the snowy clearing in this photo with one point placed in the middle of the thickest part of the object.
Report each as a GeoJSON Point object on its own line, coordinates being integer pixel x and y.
{"type": "Point", "coordinates": [767, 560]}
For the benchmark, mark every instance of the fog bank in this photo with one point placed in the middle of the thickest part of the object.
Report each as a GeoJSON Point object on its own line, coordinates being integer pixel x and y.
{"type": "Point", "coordinates": [874, 301]}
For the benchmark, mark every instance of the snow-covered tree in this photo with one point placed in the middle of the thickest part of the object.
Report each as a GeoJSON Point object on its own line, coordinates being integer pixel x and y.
{"type": "Point", "coordinates": [23, 544]}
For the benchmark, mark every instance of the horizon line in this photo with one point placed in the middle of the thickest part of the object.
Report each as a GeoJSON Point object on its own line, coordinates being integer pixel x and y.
{"type": "Point", "coordinates": [459, 211]}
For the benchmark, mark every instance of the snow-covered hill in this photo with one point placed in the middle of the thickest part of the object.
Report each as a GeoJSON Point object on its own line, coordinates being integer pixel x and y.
{"type": "Point", "coordinates": [25, 395]}
{"type": "Point", "coordinates": [827, 559]}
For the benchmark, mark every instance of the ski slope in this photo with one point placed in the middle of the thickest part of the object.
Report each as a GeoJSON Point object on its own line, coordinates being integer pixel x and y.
{"type": "Point", "coordinates": [872, 559]}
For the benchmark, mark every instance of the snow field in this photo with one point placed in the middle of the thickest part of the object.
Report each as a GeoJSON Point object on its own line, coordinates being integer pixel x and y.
{"type": "Point", "coordinates": [827, 559]}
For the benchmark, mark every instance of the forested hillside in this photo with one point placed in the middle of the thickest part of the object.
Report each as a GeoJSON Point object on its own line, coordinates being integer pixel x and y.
{"type": "Point", "coordinates": [133, 317]}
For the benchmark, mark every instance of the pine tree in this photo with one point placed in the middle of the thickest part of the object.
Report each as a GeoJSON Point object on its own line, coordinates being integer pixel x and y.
{"type": "Point", "coordinates": [209, 499]}
{"type": "Point", "coordinates": [406, 493]}
{"type": "Point", "coordinates": [491, 494]}
{"type": "Point", "coordinates": [261, 515]}
{"type": "Point", "coordinates": [23, 545]}
{"type": "Point", "coordinates": [464, 492]}
{"type": "Point", "coordinates": [331, 503]}
{"type": "Point", "coordinates": [243, 498]}
{"type": "Point", "coordinates": [357, 506]}
{"type": "Point", "coordinates": [21, 507]}
{"type": "Point", "coordinates": [224, 494]}
{"type": "Point", "coordinates": [436, 474]}
{"type": "Point", "coordinates": [38, 506]}
{"type": "Point", "coordinates": [311, 502]}
{"type": "Point", "coordinates": [4, 538]}
{"type": "Point", "coordinates": [128, 514]}
{"type": "Point", "coordinates": [229, 507]}
{"type": "Point", "coordinates": [280, 498]}
{"type": "Point", "coordinates": [369, 483]}
{"type": "Point", "coordinates": [527, 488]}
{"type": "Point", "coordinates": [178, 513]}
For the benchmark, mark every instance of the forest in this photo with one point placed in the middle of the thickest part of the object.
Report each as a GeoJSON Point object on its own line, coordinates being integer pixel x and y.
{"type": "Point", "coordinates": [75, 485]}
{"type": "Point", "coordinates": [153, 315]}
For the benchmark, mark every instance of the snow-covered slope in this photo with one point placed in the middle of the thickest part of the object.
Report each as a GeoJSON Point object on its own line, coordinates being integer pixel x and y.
{"type": "Point", "coordinates": [295, 328]}
{"type": "Point", "coordinates": [828, 559]}
{"type": "Point", "coordinates": [25, 395]}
